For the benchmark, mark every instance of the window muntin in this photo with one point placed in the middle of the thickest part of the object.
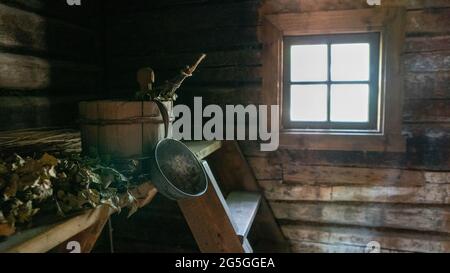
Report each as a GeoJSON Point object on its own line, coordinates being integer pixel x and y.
{"type": "Point", "coordinates": [344, 67]}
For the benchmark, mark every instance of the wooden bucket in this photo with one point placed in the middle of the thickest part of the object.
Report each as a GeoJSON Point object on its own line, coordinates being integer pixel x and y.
{"type": "Point", "coordinates": [122, 130]}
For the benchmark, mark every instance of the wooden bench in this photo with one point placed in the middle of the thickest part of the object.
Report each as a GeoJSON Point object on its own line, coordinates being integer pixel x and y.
{"type": "Point", "coordinates": [218, 224]}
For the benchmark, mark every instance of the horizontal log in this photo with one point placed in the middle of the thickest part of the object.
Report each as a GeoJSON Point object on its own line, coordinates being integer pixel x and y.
{"type": "Point", "coordinates": [427, 85]}
{"type": "Point", "coordinates": [423, 4]}
{"type": "Point", "coordinates": [426, 110]}
{"type": "Point", "coordinates": [327, 142]}
{"type": "Point", "coordinates": [203, 76]}
{"type": "Point", "coordinates": [426, 131]}
{"type": "Point", "coordinates": [253, 149]}
{"type": "Point", "coordinates": [427, 44]}
{"type": "Point", "coordinates": [116, 7]}
{"type": "Point", "coordinates": [417, 21]}
{"type": "Point", "coordinates": [222, 15]}
{"type": "Point", "coordinates": [87, 15]}
{"type": "Point", "coordinates": [265, 168]}
{"type": "Point", "coordinates": [326, 175]}
{"type": "Point", "coordinates": [428, 194]}
{"type": "Point", "coordinates": [277, 6]}
{"type": "Point", "coordinates": [280, 6]}
{"type": "Point", "coordinates": [211, 94]}
{"type": "Point", "coordinates": [30, 112]}
{"type": "Point", "coordinates": [214, 59]}
{"type": "Point", "coordinates": [409, 217]}
{"type": "Point", "coordinates": [425, 155]}
{"type": "Point", "coordinates": [28, 32]}
{"type": "Point", "coordinates": [278, 190]}
{"type": "Point", "coordinates": [360, 237]}
{"type": "Point", "coordinates": [28, 141]}
{"type": "Point", "coordinates": [428, 21]}
{"type": "Point", "coordinates": [122, 43]}
{"type": "Point", "coordinates": [437, 177]}
{"type": "Point", "coordinates": [19, 72]}
{"type": "Point", "coordinates": [228, 74]}
{"type": "Point", "coordinates": [250, 94]}
{"type": "Point", "coordinates": [311, 247]}
{"type": "Point", "coordinates": [427, 62]}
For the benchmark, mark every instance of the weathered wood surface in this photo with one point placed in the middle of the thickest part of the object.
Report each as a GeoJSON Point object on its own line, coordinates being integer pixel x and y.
{"type": "Point", "coordinates": [427, 62]}
{"type": "Point", "coordinates": [42, 239]}
{"type": "Point", "coordinates": [28, 32]}
{"type": "Point", "coordinates": [277, 6]}
{"type": "Point", "coordinates": [243, 208]}
{"type": "Point", "coordinates": [438, 194]}
{"type": "Point", "coordinates": [427, 85]}
{"type": "Point", "coordinates": [88, 237]}
{"type": "Point", "coordinates": [428, 21]}
{"type": "Point", "coordinates": [85, 227]}
{"type": "Point", "coordinates": [234, 174]}
{"type": "Point", "coordinates": [60, 140]}
{"type": "Point", "coordinates": [317, 175]}
{"type": "Point", "coordinates": [206, 40]}
{"type": "Point", "coordinates": [18, 112]}
{"type": "Point", "coordinates": [199, 16]}
{"type": "Point", "coordinates": [20, 72]}
{"type": "Point", "coordinates": [297, 172]}
{"type": "Point", "coordinates": [345, 188]}
{"type": "Point", "coordinates": [427, 111]}
{"type": "Point", "coordinates": [123, 129]}
{"type": "Point", "coordinates": [423, 154]}
{"type": "Point", "coordinates": [170, 61]}
{"type": "Point", "coordinates": [202, 149]}
{"type": "Point", "coordinates": [49, 52]}
{"type": "Point", "coordinates": [406, 217]}
{"type": "Point", "coordinates": [321, 22]}
{"type": "Point", "coordinates": [304, 235]}
{"type": "Point", "coordinates": [210, 220]}
{"type": "Point", "coordinates": [84, 16]}
{"type": "Point", "coordinates": [427, 44]}
{"type": "Point", "coordinates": [26, 142]}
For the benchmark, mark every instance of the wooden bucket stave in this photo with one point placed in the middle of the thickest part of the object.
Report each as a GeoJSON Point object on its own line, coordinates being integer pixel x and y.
{"type": "Point", "coordinates": [122, 129]}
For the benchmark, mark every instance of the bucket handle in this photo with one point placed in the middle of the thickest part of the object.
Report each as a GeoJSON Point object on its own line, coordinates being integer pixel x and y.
{"type": "Point", "coordinates": [165, 115]}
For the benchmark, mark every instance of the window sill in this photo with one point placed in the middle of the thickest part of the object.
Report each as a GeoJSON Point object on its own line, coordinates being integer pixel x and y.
{"type": "Point", "coordinates": [339, 142]}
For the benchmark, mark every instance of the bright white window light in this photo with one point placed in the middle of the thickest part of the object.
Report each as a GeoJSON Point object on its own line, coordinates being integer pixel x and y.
{"type": "Point", "coordinates": [309, 102]}
{"type": "Point", "coordinates": [350, 62]}
{"type": "Point", "coordinates": [349, 103]}
{"type": "Point", "coordinates": [309, 63]}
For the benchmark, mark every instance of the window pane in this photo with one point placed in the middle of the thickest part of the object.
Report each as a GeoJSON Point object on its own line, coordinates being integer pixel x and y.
{"type": "Point", "coordinates": [350, 62]}
{"type": "Point", "coordinates": [309, 102]}
{"type": "Point", "coordinates": [309, 63]}
{"type": "Point", "coordinates": [349, 103]}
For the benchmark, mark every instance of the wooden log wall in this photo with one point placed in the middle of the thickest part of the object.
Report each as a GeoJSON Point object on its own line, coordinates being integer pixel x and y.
{"type": "Point", "coordinates": [51, 57]}
{"type": "Point", "coordinates": [325, 201]}
{"type": "Point", "coordinates": [328, 201]}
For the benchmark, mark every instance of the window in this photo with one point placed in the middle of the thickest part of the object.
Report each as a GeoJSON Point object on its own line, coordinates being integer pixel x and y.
{"type": "Point", "coordinates": [337, 77]}
{"type": "Point", "coordinates": [331, 82]}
